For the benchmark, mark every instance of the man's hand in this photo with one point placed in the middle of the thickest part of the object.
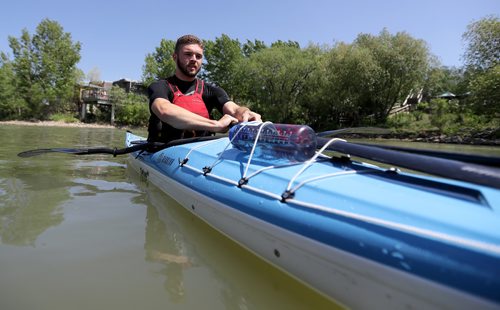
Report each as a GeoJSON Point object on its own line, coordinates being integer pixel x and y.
{"type": "Point", "coordinates": [244, 114]}
{"type": "Point", "coordinates": [224, 122]}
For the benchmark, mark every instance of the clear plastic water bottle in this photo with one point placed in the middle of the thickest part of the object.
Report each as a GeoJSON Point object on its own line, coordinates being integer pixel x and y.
{"type": "Point", "coordinates": [294, 142]}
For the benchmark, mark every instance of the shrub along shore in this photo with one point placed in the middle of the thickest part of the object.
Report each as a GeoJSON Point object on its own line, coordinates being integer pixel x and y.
{"type": "Point", "coordinates": [56, 124]}
{"type": "Point", "coordinates": [483, 137]}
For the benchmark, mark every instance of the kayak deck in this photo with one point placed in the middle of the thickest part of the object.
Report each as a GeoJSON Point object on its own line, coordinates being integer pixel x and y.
{"type": "Point", "coordinates": [420, 227]}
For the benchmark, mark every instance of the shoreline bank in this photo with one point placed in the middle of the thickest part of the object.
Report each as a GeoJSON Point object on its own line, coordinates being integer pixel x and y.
{"type": "Point", "coordinates": [481, 138]}
{"type": "Point", "coordinates": [487, 137]}
{"type": "Point", "coordinates": [56, 124]}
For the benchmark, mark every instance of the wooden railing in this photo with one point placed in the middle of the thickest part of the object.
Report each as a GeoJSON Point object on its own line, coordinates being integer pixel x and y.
{"type": "Point", "coordinates": [95, 95]}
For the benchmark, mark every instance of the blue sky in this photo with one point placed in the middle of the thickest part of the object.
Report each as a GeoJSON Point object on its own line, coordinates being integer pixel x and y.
{"type": "Point", "coordinates": [117, 35]}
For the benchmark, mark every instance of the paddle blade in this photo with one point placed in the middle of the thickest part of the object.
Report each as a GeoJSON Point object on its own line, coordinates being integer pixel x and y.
{"type": "Point", "coordinates": [37, 152]}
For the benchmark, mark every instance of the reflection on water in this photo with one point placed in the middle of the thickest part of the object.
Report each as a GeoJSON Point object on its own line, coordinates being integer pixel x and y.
{"type": "Point", "coordinates": [22, 219]}
{"type": "Point", "coordinates": [165, 243]}
{"type": "Point", "coordinates": [195, 257]}
{"type": "Point", "coordinates": [32, 191]}
{"type": "Point", "coordinates": [33, 194]}
{"type": "Point", "coordinates": [164, 246]}
{"type": "Point", "coordinates": [83, 232]}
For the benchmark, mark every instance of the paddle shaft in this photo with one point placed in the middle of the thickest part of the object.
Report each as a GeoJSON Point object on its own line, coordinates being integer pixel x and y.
{"type": "Point", "coordinates": [448, 168]}
{"type": "Point", "coordinates": [452, 169]}
{"type": "Point", "coordinates": [469, 158]}
{"type": "Point", "coordinates": [140, 146]}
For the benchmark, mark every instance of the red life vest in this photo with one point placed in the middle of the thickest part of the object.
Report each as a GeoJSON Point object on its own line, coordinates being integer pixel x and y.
{"type": "Point", "coordinates": [192, 102]}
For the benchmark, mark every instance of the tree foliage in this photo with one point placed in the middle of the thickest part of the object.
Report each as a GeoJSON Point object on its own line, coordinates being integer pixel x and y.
{"type": "Point", "coordinates": [443, 79]}
{"type": "Point", "coordinates": [347, 78]}
{"type": "Point", "coordinates": [251, 47]}
{"type": "Point", "coordinates": [44, 70]}
{"type": "Point", "coordinates": [323, 86]}
{"type": "Point", "coordinates": [159, 64]}
{"type": "Point", "coordinates": [275, 80]}
{"type": "Point", "coordinates": [360, 83]}
{"type": "Point", "coordinates": [11, 104]}
{"type": "Point", "coordinates": [223, 58]}
{"type": "Point", "coordinates": [483, 65]}
{"type": "Point", "coordinates": [400, 65]}
{"type": "Point", "coordinates": [485, 90]}
{"type": "Point", "coordinates": [483, 43]}
{"type": "Point", "coordinates": [131, 109]}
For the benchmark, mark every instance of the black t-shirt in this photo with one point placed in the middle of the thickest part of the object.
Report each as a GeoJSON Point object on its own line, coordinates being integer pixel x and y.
{"type": "Point", "coordinates": [213, 96]}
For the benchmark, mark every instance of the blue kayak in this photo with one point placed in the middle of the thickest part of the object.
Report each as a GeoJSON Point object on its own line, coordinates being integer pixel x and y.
{"type": "Point", "coordinates": [364, 236]}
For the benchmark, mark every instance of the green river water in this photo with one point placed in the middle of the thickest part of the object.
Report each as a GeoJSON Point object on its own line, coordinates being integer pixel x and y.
{"type": "Point", "coordinates": [83, 232]}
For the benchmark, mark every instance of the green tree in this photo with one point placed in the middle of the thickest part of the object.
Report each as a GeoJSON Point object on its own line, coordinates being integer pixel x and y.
{"type": "Point", "coordinates": [159, 64]}
{"type": "Point", "coordinates": [22, 66]}
{"type": "Point", "coordinates": [483, 43]}
{"type": "Point", "coordinates": [131, 109]}
{"type": "Point", "coordinates": [348, 79]}
{"type": "Point", "coordinates": [288, 43]}
{"type": "Point", "coordinates": [482, 58]}
{"type": "Point", "coordinates": [56, 57]}
{"type": "Point", "coordinates": [441, 116]}
{"type": "Point", "coordinates": [402, 66]}
{"type": "Point", "coordinates": [485, 90]}
{"type": "Point", "coordinates": [276, 79]}
{"type": "Point", "coordinates": [223, 58]}
{"type": "Point", "coordinates": [251, 47]}
{"type": "Point", "coordinates": [441, 79]}
{"type": "Point", "coordinates": [349, 84]}
{"type": "Point", "coordinates": [45, 68]}
{"type": "Point", "coordinates": [11, 105]}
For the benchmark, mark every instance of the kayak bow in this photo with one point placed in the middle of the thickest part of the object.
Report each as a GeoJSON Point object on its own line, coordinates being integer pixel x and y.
{"type": "Point", "coordinates": [345, 228]}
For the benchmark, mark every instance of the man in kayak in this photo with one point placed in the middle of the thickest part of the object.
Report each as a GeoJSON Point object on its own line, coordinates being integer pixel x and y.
{"type": "Point", "coordinates": [180, 106]}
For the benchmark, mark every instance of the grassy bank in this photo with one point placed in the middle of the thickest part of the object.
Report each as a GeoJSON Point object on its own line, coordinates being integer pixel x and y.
{"type": "Point", "coordinates": [56, 124]}
{"type": "Point", "coordinates": [416, 133]}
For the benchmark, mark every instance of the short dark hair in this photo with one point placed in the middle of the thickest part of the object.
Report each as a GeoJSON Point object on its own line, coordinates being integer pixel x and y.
{"type": "Point", "coordinates": [188, 39]}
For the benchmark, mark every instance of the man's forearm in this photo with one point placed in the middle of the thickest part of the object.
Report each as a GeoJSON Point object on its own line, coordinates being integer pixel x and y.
{"type": "Point", "coordinates": [180, 118]}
